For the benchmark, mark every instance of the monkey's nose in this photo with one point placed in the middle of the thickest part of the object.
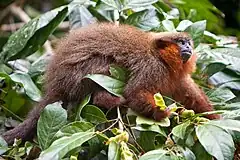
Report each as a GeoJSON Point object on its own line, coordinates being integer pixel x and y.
{"type": "Point", "coordinates": [185, 56]}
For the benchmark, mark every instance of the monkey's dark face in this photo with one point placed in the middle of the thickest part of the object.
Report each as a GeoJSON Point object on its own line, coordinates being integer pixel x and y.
{"type": "Point", "coordinates": [186, 49]}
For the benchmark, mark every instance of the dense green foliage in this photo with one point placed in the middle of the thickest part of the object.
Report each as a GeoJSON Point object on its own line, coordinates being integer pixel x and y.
{"type": "Point", "coordinates": [88, 132]}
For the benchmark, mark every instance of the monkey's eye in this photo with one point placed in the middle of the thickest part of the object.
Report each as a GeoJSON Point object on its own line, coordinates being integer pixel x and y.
{"type": "Point", "coordinates": [182, 42]}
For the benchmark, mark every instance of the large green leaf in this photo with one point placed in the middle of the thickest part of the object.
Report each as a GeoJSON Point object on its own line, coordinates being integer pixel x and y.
{"type": "Point", "coordinates": [30, 88]}
{"type": "Point", "coordinates": [225, 79]}
{"type": "Point", "coordinates": [32, 35]}
{"type": "Point", "coordinates": [220, 95]}
{"type": "Point", "coordinates": [147, 140]}
{"type": "Point", "coordinates": [204, 9]}
{"type": "Point", "coordinates": [80, 16]}
{"type": "Point", "coordinates": [153, 128]}
{"type": "Point", "coordinates": [184, 24]}
{"type": "Point", "coordinates": [200, 152]}
{"type": "Point", "coordinates": [181, 130]}
{"type": "Point", "coordinates": [52, 118]}
{"type": "Point", "coordinates": [119, 73]}
{"type": "Point", "coordinates": [227, 124]}
{"type": "Point", "coordinates": [112, 85]}
{"type": "Point", "coordinates": [74, 127]}
{"type": "Point", "coordinates": [158, 154]}
{"type": "Point", "coordinates": [38, 67]}
{"type": "Point", "coordinates": [83, 103]}
{"type": "Point", "coordinates": [145, 20]}
{"type": "Point", "coordinates": [114, 151]}
{"type": "Point", "coordinates": [143, 120]}
{"type": "Point", "coordinates": [3, 145]}
{"type": "Point", "coordinates": [137, 3]}
{"type": "Point", "coordinates": [231, 55]}
{"type": "Point", "coordinates": [93, 114]}
{"type": "Point", "coordinates": [112, 5]}
{"type": "Point", "coordinates": [216, 141]}
{"type": "Point", "coordinates": [62, 146]}
{"type": "Point", "coordinates": [196, 30]}
{"type": "Point", "coordinates": [13, 101]}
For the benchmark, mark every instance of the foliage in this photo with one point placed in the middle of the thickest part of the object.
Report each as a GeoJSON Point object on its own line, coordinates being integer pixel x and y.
{"type": "Point", "coordinates": [88, 132]}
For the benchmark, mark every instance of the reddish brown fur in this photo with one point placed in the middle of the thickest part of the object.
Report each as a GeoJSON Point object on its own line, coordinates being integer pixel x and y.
{"type": "Point", "coordinates": [153, 60]}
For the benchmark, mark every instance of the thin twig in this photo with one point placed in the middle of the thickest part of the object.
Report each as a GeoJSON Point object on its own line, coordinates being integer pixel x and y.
{"type": "Point", "coordinates": [110, 126]}
{"type": "Point", "coordinates": [13, 114]}
{"type": "Point", "coordinates": [18, 12]}
{"type": "Point", "coordinates": [120, 123]}
{"type": "Point", "coordinates": [133, 137]}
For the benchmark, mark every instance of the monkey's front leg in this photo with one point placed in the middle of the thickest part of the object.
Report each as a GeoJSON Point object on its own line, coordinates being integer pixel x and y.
{"type": "Point", "coordinates": [142, 101]}
{"type": "Point", "coordinates": [192, 97]}
{"type": "Point", "coordinates": [105, 99]}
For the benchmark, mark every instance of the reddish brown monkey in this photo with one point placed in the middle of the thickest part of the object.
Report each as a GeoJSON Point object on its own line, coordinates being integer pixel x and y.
{"type": "Point", "coordinates": [160, 62]}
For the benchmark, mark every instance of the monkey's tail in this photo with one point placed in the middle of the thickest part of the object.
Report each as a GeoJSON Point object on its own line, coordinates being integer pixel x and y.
{"type": "Point", "coordinates": [26, 130]}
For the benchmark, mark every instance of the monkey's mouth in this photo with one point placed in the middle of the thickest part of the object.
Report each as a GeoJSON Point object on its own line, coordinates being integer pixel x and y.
{"type": "Point", "coordinates": [185, 55]}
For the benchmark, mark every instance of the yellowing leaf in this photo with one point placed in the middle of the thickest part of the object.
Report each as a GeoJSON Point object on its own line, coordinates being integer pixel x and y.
{"type": "Point", "coordinates": [159, 101]}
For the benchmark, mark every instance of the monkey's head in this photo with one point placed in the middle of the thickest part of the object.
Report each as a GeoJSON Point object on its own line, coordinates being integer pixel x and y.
{"type": "Point", "coordinates": [185, 47]}
{"type": "Point", "coordinates": [176, 50]}
{"type": "Point", "coordinates": [179, 45]}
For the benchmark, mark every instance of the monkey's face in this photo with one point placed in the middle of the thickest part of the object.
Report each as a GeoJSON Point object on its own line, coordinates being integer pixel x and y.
{"type": "Point", "coordinates": [173, 44]}
{"type": "Point", "coordinates": [186, 49]}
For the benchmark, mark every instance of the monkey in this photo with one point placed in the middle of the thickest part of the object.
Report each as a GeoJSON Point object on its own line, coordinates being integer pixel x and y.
{"type": "Point", "coordinates": [158, 62]}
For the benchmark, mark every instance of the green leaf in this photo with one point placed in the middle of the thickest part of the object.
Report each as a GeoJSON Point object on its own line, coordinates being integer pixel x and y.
{"type": "Point", "coordinates": [62, 146]}
{"type": "Point", "coordinates": [30, 88]}
{"type": "Point", "coordinates": [159, 101]}
{"type": "Point", "coordinates": [74, 127]}
{"type": "Point", "coordinates": [216, 141]}
{"type": "Point", "coordinates": [52, 118]}
{"type": "Point", "coordinates": [112, 85]}
{"type": "Point", "coordinates": [84, 102]}
{"type": "Point", "coordinates": [158, 154]}
{"type": "Point", "coordinates": [200, 152]}
{"type": "Point", "coordinates": [235, 114]}
{"type": "Point", "coordinates": [225, 79]}
{"type": "Point", "coordinates": [113, 4]}
{"type": "Point", "coordinates": [168, 26]}
{"type": "Point", "coordinates": [181, 130]}
{"type": "Point", "coordinates": [38, 67]}
{"type": "Point", "coordinates": [114, 151]}
{"type": "Point", "coordinates": [13, 101]}
{"type": "Point", "coordinates": [119, 73]}
{"type": "Point", "coordinates": [143, 120]}
{"type": "Point", "coordinates": [80, 16]}
{"type": "Point", "coordinates": [227, 124]}
{"type": "Point", "coordinates": [196, 30]}
{"type": "Point", "coordinates": [145, 20]}
{"type": "Point", "coordinates": [188, 154]}
{"type": "Point", "coordinates": [184, 24]}
{"type": "Point", "coordinates": [3, 145]}
{"type": "Point", "coordinates": [147, 140]}
{"type": "Point", "coordinates": [32, 35]}
{"type": "Point", "coordinates": [220, 95]}
{"type": "Point", "coordinates": [153, 128]}
{"type": "Point", "coordinates": [226, 106]}
{"type": "Point", "coordinates": [230, 55]}
{"type": "Point", "coordinates": [211, 37]}
{"type": "Point", "coordinates": [214, 67]}
{"type": "Point", "coordinates": [93, 114]}
{"type": "Point", "coordinates": [137, 3]}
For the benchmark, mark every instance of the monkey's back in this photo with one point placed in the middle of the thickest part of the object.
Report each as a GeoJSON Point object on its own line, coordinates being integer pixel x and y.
{"type": "Point", "coordinates": [90, 50]}
{"type": "Point", "coordinates": [103, 39]}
